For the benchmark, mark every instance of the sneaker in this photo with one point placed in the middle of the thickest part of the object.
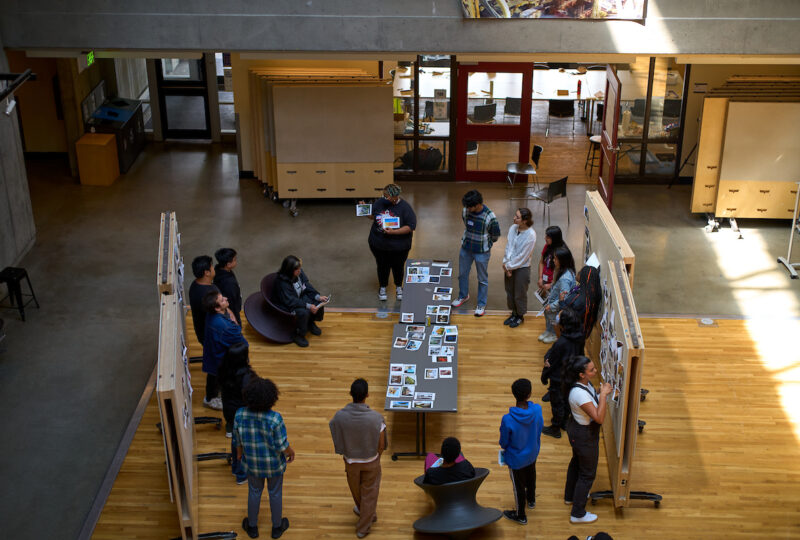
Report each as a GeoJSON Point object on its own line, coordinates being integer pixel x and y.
{"type": "Point", "coordinates": [509, 320]}
{"type": "Point", "coordinates": [252, 532]}
{"type": "Point", "coordinates": [552, 431]}
{"type": "Point", "coordinates": [241, 481]}
{"type": "Point", "coordinates": [399, 293]}
{"type": "Point", "coordinates": [382, 293]}
{"type": "Point", "coordinates": [568, 503]}
{"type": "Point", "coordinates": [532, 504]}
{"type": "Point", "coordinates": [550, 338]}
{"type": "Point", "coordinates": [516, 322]}
{"type": "Point", "coordinates": [587, 518]}
{"type": "Point", "coordinates": [215, 403]}
{"type": "Point", "coordinates": [479, 311]}
{"type": "Point", "coordinates": [458, 302]}
{"type": "Point", "coordinates": [314, 329]}
{"type": "Point", "coordinates": [356, 511]}
{"type": "Point", "coordinates": [543, 335]}
{"type": "Point", "coordinates": [278, 531]}
{"type": "Point", "coordinates": [229, 434]}
{"type": "Point", "coordinates": [512, 515]}
{"type": "Point", "coordinates": [361, 535]}
{"type": "Point", "coordinates": [546, 396]}
{"type": "Point", "coordinates": [300, 340]}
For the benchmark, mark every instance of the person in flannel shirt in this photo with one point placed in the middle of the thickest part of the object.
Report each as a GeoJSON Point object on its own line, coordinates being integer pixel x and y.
{"type": "Point", "coordinates": [260, 438]}
{"type": "Point", "coordinates": [481, 231]}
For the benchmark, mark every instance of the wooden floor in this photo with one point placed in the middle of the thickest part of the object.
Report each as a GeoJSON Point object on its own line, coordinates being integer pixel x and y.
{"type": "Point", "coordinates": [721, 442]}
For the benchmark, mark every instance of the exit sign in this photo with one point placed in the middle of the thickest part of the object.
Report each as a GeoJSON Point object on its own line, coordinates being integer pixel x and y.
{"type": "Point", "coordinates": [89, 58]}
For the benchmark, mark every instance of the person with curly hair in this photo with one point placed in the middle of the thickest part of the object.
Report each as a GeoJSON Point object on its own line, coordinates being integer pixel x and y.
{"type": "Point", "coordinates": [261, 443]}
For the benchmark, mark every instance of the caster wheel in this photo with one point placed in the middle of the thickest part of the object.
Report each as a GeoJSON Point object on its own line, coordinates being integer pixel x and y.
{"type": "Point", "coordinates": [293, 213]}
{"type": "Point", "coordinates": [229, 460]}
{"type": "Point", "coordinates": [594, 502]}
{"type": "Point", "coordinates": [285, 204]}
{"type": "Point", "coordinates": [394, 458]}
{"type": "Point", "coordinates": [657, 504]}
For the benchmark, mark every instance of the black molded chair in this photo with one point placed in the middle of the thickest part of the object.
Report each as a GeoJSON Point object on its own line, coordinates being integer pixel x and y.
{"type": "Point", "coordinates": [554, 190]}
{"type": "Point", "coordinates": [472, 150]}
{"type": "Point", "coordinates": [457, 512]}
{"type": "Point", "coordinates": [560, 108]}
{"type": "Point", "coordinates": [513, 169]}
{"type": "Point", "coordinates": [484, 114]}
{"type": "Point", "coordinates": [265, 317]}
{"type": "Point", "coordinates": [512, 107]}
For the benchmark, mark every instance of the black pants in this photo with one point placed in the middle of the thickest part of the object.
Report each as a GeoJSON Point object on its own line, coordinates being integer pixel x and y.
{"type": "Point", "coordinates": [212, 389]}
{"type": "Point", "coordinates": [585, 441]}
{"type": "Point", "coordinates": [524, 482]}
{"type": "Point", "coordinates": [304, 316]}
{"type": "Point", "coordinates": [558, 405]}
{"type": "Point", "coordinates": [390, 260]}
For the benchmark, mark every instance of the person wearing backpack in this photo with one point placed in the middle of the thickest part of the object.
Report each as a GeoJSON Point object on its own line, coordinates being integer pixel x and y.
{"type": "Point", "coordinates": [569, 344]}
{"type": "Point", "coordinates": [233, 375]}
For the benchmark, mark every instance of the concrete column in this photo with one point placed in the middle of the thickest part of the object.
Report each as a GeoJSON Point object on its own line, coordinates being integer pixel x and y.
{"type": "Point", "coordinates": [17, 229]}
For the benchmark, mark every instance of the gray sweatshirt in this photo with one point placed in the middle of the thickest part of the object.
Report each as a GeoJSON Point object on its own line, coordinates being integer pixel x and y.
{"type": "Point", "coordinates": [356, 430]}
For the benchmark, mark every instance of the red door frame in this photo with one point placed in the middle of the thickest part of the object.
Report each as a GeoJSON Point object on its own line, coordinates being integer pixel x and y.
{"type": "Point", "coordinates": [608, 138]}
{"type": "Point", "coordinates": [492, 132]}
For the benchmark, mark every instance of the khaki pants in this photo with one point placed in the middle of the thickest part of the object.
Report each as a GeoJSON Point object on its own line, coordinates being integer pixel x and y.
{"type": "Point", "coordinates": [364, 480]}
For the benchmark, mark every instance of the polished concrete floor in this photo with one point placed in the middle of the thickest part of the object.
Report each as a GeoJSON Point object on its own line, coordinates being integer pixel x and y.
{"type": "Point", "coordinates": [72, 374]}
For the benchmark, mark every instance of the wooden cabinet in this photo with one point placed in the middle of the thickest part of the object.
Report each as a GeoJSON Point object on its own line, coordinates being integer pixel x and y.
{"type": "Point", "coordinates": [749, 199]}
{"type": "Point", "coordinates": [97, 159]}
{"type": "Point", "coordinates": [328, 180]}
{"type": "Point", "coordinates": [709, 155]}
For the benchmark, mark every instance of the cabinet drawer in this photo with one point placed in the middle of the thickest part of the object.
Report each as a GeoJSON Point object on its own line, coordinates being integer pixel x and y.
{"type": "Point", "coordinates": [734, 199]}
{"type": "Point", "coordinates": [704, 197]}
{"type": "Point", "coordinates": [349, 179]}
{"type": "Point", "coordinates": [306, 180]}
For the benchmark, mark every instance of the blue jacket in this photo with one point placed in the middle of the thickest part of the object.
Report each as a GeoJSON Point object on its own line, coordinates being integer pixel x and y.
{"type": "Point", "coordinates": [221, 333]}
{"type": "Point", "coordinates": [565, 283]}
{"type": "Point", "coordinates": [520, 435]}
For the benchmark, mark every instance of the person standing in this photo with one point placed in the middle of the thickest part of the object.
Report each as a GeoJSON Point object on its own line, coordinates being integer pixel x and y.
{"type": "Point", "coordinates": [520, 439]}
{"type": "Point", "coordinates": [204, 283]}
{"type": "Point", "coordinates": [226, 282]}
{"type": "Point", "coordinates": [570, 343]}
{"type": "Point", "coordinates": [359, 435]}
{"type": "Point", "coordinates": [233, 376]}
{"type": "Point", "coordinates": [517, 265]}
{"type": "Point", "coordinates": [390, 245]}
{"type": "Point", "coordinates": [564, 282]}
{"type": "Point", "coordinates": [481, 231]}
{"type": "Point", "coordinates": [588, 412]}
{"type": "Point", "coordinates": [259, 435]}
{"type": "Point", "coordinates": [221, 332]}
{"type": "Point", "coordinates": [553, 239]}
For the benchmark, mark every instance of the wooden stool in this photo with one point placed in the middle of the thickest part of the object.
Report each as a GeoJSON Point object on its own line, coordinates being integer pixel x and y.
{"type": "Point", "coordinates": [12, 277]}
{"type": "Point", "coordinates": [591, 155]}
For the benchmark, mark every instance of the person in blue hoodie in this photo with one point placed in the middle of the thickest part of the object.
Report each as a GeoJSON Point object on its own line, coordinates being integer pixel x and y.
{"type": "Point", "coordinates": [520, 437]}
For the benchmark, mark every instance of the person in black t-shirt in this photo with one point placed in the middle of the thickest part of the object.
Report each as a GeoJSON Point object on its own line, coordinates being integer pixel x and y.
{"type": "Point", "coordinates": [449, 470]}
{"type": "Point", "coordinates": [226, 281]}
{"type": "Point", "coordinates": [204, 274]}
{"type": "Point", "coordinates": [390, 242]}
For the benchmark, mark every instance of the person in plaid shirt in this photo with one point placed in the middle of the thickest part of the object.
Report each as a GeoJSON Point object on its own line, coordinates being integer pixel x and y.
{"type": "Point", "coordinates": [481, 231]}
{"type": "Point", "coordinates": [260, 436]}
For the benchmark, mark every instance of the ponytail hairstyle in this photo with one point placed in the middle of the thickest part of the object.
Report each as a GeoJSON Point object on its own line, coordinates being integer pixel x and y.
{"type": "Point", "coordinates": [556, 239]}
{"type": "Point", "coordinates": [565, 261]}
{"type": "Point", "coordinates": [573, 367]}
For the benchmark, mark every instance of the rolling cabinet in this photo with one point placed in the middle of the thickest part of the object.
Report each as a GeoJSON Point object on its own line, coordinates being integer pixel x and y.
{"type": "Point", "coordinates": [709, 155]}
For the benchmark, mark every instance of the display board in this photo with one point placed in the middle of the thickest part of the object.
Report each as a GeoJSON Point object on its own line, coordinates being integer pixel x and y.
{"type": "Point", "coordinates": [173, 385]}
{"type": "Point", "coordinates": [615, 344]}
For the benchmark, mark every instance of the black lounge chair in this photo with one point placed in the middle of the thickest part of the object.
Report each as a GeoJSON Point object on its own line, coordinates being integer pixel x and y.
{"type": "Point", "coordinates": [265, 317]}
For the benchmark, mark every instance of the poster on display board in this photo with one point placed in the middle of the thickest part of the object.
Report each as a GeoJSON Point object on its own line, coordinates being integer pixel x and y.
{"type": "Point", "coordinates": [555, 9]}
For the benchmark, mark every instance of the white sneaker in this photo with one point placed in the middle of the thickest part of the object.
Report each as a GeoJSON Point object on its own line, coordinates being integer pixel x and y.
{"type": "Point", "coordinates": [458, 302]}
{"type": "Point", "coordinates": [382, 293]}
{"type": "Point", "coordinates": [587, 518]}
{"type": "Point", "coordinates": [543, 335]}
{"type": "Point", "coordinates": [215, 403]}
{"type": "Point", "coordinates": [399, 293]}
{"type": "Point", "coordinates": [549, 338]}
{"type": "Point", "coordinates": [229, 434]}
{"type": "Point", "coordinates": [479, 311]}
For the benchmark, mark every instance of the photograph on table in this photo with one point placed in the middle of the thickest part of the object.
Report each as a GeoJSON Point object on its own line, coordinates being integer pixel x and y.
{"type": "Point", "coordinates": [447, 350]}
{"type": "Point", "coordinates": [395, 368]}
{"type": "Point", "coordinates": [393, 391]}
{"type": "Point", "coordinates": [410, 379]}
{"type": "Point", "coordinates": [407, 317]}
{"type": "Point", "coordinates": [446, 272]}
{"type": "Point", "coordinates": [415, 328]}
{"type": "Point", "coordinates": [443, 359]}
{"type": "Point", "coordinates": [441, 297]}
{"type": "Point", "coordinates": [396, 379]}
{"type": "Point", "coordinates": [400, 343]}
{"type": "Point", "coordinates": [438, 331]}
{"type": "Point", "coordinates": [435, 341]}
{"type": "Point", "coordinates": [423, 405]}
{"type": "Point", "coordinates": [431, 310]}
{"type": "Point", "coordinates": [445, 373]}
{"type": "Point", "coordinates": [430, 396]}
{"type": "Point", "coordinates": [451, 339]}
{"type": "Point", "coordinates": [407, 391]}
{"type": "Point", "coordinates": [431, 373]}
{"type": "Point", "coordinates": [433, 279]}
{"type": "Point", "coordinates": [413, 345]}
{"type": "Point", "coordinates": [443, 290]}
{"type": "Point", "coordinates": [416, 335]}
{"type": "Point", "coordinates": [417, 279]}
{"type": "Point", "coordinates": [409, 368]}
{"type": "Point", "coordinates": [439, 263]}
{"type": "Point", "coordinates": [400, 405]}
{"type": "Point", "coordinates": [434, 350]}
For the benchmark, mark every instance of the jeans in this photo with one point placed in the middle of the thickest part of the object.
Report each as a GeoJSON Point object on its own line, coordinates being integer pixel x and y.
{"type": "Point", "coordinates": [274, 489]}
{"type": "Point", "coordinates": [303, 317]}
{"type": "Point", "coordinates": [237, 468]}
{"type": "Point", "coordinates": [465, 259]}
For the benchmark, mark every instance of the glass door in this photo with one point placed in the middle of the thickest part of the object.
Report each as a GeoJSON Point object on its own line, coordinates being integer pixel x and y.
{"type": "Point", "coordinates": [183, 98]}
{"type": "Point", "coordinates": [608, 143]}
{"type": "Point", "coordinates": [493, 119]}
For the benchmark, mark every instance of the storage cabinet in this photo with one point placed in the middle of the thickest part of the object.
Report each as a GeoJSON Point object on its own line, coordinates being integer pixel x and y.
{"type": "Point", "coordinates": [709, 155]}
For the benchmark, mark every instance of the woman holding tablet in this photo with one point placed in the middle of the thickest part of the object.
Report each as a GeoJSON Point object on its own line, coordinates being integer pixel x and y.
{"type": "Point", "coordinates": [583, 427]}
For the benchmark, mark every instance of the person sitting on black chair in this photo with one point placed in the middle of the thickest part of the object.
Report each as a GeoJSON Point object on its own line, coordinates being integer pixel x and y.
{"type": "Point", "coordinates": [293, 293]}
{"type": "Point", "coordinates": [451, 469]}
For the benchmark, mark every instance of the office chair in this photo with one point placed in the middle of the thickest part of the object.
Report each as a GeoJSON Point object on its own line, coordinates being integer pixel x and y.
{"type": "Point", "coordinates": [560, 108]}
{"type": "Point", "coordinates": [484, 114]}
{"type": "Point", "coordinates": [513, 169]}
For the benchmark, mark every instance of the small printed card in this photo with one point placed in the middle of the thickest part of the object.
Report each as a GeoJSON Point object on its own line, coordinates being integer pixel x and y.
{"type": "Point", "coordinates": [445, 373]}
{"type": "Point", "coordinates": [413, 345]}
{"type": "Point", "coordinates": [400, 343]}
{"type": "Point", "coordinates": [433, 279]}
{"type": "Point", "coordinates": [395, 368]}
{"type": "Point", "coordinates": [443, 290]}
{"type": "Point", "coordinates": [443, 359]}
{"type": "Point", "coordinates": [415, 328]}
{"type": "Point", "coordinates": [407, 391]}
{"type": "Point", "coordinates": [441, 297]}
{"type": "Point", "coordinates": [363, 209]}
{"type": "Point", "coordinates": [393, 391]}
{"type": "Point", "coordinates": [396, 379]}
{"type": "Point", "coordinates": [391, 222]}
{"type": "Point", "coordinates": [410, 379]}
{"type": "Point", "coordinates": [440, 263]}
{"type": "Point", "coordinates": [409, 368]}
{"type": "Point", "coordinates": [430, 396]}
{"type": "Point", "coordinates": [435, 340]}
{"type": "Point", "coordinates": [416, 335]}
{"type": "Point", "coordinates": [423, 405]}
{"type": "Point", "coordinates": [407, 317]}
{"type": "Point", "coordinates": [434, 350]}
{"type": "Point", "coordinates": [431, 373]}
{"type": "Point", "coordinates": [400, 405]}
{"type": "Point", "coordinates": [446, 272]}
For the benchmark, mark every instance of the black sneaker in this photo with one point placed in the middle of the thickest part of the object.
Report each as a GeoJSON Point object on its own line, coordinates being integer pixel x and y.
{"type": "Point", "coordinates": [300, 340]}
{"type": "Point", "coordinates": [516, 322]}
{"type": "Point", "coordinates": [314, 329]}
{"type": "Point", "coordinates": [552, 431]}
{"type": "Point", "coordinates": [252, 532]}
{"type": "Point", "coordinates": [278, 531]}
{"type": "Point", "coordinates": [532, 504]}
{"type": "Point", "coordinates": [546, 396]}
{"type": "Point", "coordinates": [509, 320]}
{"type": "Point", "coordinates": [512, 515]}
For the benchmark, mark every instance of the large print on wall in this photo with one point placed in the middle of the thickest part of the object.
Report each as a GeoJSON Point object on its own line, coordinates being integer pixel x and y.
{"type": "Point", "coordinates": [554, 9]}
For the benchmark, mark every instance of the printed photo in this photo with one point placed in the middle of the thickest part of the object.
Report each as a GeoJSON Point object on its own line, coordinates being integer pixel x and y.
{"type": "Point", "coordinates": [393, 391]}
{"type": "Point", "coordinates": [441, 359]}
{"type": "Point", "coordinates": [431, 310]}
{"type": "Point", "coordinates": [415, 328]}
{"type": "Point", "coordinates": [391, 222]}
{"type": "Point", "coordinates": [441, 297]}
{"type": "Point", "coordinates": [438, 331]}
{"type": "Point", "coordinates": [431, 373]}
{"type": "Point", "coordinates": [396, 379]}
{"type": "Point", "coordinates": [433, 279]}
{"type": "Point", "coordinates": [395, 368]}
{"type": "Point", "coordinates": [407, 318]}
{"type": "Point", "coordinates": [451, 338]}
{"type": "Point", "coordinates": [400, 405]}
{"type": "Point", "coordinates": [416, 335]}
{"type": "Point", "coordinates": [446, 272]}
{"type": "Point", "coordinates": [410, 378]}
{"type": "Point", "coordinates": [439, 263]}
{"type": "Point", "coordinates": [443, 318]}
{"type": "Point", "coordinates": [423, 405]}
{"type": "Point", "coordinates": [446, 373]}
{"type": "Point", "coordinates": [413, 270]}
{"type": "Point", "coordinates": [409, 368]}
{"type": "Point", "coordinates": [400, 343]}
{"type": "Point", "coordinates": [407, 391]}
{"type": "Point", "coordinates": [363, 209]}
{"type": "Point", "coordinates": [443, 290]}
{"type": "Point", "coordinates": [430, 396]}
{"type": "Point", "coordinates": [413, 345]}
{"type": "Point", "coordinates": [433, 351]}
{"type": "Point", "coordinates": [435, 340]}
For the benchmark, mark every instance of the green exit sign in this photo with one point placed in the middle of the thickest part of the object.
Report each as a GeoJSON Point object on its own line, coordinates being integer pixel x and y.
{"type": "Point", "coordinates": [89, 58]}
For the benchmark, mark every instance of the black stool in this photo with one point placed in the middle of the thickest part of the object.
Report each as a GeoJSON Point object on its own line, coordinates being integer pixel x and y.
{"type": "Point", "coordinates": [12, 277]}
{"type": "Point", "coordinates": [591, 155]}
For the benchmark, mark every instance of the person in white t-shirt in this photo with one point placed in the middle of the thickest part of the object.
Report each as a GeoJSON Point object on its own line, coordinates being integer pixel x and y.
{"type": "Point", "coordinates": [583, 427]}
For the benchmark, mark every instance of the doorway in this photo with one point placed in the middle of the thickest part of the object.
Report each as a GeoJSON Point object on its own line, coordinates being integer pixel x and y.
{"type": "Point", "coordinates": [183, 98]}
